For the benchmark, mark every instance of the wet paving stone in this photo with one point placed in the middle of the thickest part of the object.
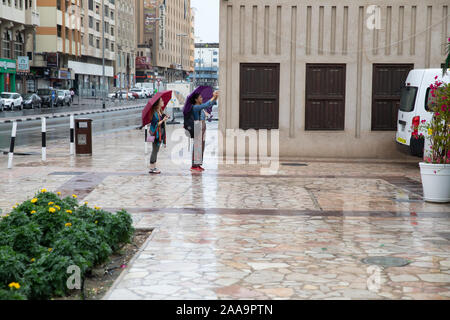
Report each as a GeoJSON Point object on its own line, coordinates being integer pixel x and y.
{"type": "Point", "coordinates": [232, 233]}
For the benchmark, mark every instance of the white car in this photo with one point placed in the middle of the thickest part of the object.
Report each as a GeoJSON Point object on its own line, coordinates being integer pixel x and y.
{"type": "Point", "coordinates": [120, 95]}
{"type": "Point", "coordinates": [2, 104]}
{"type": "Point", "coordinates": [141, 92]}
{"type": "Point", "coordinates": [12, 100]}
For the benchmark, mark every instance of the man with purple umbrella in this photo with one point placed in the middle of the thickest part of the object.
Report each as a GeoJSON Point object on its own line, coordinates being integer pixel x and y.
{"type": "Point", "coordinates": [194, 112]}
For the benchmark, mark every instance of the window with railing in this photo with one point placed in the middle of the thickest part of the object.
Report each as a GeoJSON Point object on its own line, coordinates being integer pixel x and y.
{"type": "Point", "coordinates": [91, 5]}
{"type": "Point", "coordinates": [112, 15]}
{"type": "Point", "coordinates": [112, 46]}
{"type": "Point", "coordinates": [97, 26]}
{"type": "Point", "coordinates": [98, 43]}
{"type": "Point", "coordinates": [112, 31]}
{"type": "Point", "coordinates": [91, 40]}
{"type": "Point", "coordinates": [91, 22]}
{"type": "Point", "coordinates": [106, 26]}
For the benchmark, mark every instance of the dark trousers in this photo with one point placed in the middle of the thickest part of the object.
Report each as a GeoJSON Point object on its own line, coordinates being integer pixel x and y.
{"type": "Point", "coordinates": [154, 155]}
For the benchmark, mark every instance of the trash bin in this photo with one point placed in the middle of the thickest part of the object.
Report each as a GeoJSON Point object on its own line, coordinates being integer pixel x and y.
{"type": "Point", "coordinates": [83, 136]}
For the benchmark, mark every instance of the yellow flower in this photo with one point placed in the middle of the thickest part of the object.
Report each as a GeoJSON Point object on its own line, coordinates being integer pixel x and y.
{"type": "Point", "coordinates": [6, 215]}
{"type": "Point", "coordinates": [58, 193]}
{"type": "Point", "coordinates": [69, 211]}
{"type": "Point", "coordinates": [430, 132]}
{"type": "Point", "coordinates": [14, 285]}
{"type": "Point", "coordinates": [57, 207]}
{"type": "Point", "coordinates": [50, 203]}
{"type": "Point", "coordinates": [85, 202]}
{"type": "Point", "coordinates": [17, 203]}
{"type": "Point", "coordinates": [34, 200]}
{"type": "Point", "coordinates": [74, 196]}
{"type": "Point", "coordinates": [96, 221]}
{"type": "Point", "coordinates": [52, 210]}
{"type": "Point", "coordinates": [50, 249]}
{"type": "Point", "coordinates": [34, 211]}
{"type": "Point", "coordinates": [14, 207]}
{"type": "Point", "coordinates": [68, 224]}
{"type": "Point", "coordinates": [33, 260]}
{"type": "Point", "coordinates": [97, 208]}
{"type": "Point", "coordinates": [44, 190]}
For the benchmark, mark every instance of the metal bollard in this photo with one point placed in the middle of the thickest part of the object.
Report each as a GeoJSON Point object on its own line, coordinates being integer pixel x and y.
{"type": "Point", "coordinates": [44, 139]}
{"type": "Point", "coordinates": [11, 146]}
{"type": "Point", "coordinates": [72, 135]}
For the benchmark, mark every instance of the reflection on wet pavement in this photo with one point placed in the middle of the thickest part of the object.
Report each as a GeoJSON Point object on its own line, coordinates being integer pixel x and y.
{"type": "Point", "coordinates": [232, 233]}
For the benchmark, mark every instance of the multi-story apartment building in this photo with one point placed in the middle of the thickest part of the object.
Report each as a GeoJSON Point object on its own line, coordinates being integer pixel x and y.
{"type": "Point", "coordinates": [69, 42]}
{"type": "Point", "coordinates": [206, 65]}
{"type": "Point", "coordinates": [326, 74]}
{"type": "Point", "coordinates": [18, 20]}
{"type": "Point", "coordinates": [165, 36]}
{"type": "Point", "coordinates": [125, 43]}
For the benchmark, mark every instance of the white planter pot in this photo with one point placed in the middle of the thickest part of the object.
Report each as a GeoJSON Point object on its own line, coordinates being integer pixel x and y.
{"type": "Point", "coordinates": [435, 182]}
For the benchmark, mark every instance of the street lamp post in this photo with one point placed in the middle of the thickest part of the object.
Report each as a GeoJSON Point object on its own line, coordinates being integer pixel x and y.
{"type": "Point", "coordinates": [103, 53]}
{"type": "Point", "coordinates": [181, 45]}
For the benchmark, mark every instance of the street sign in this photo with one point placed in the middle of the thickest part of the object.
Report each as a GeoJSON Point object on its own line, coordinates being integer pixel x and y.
{"type": "Point", "coordinates": [23, 64]}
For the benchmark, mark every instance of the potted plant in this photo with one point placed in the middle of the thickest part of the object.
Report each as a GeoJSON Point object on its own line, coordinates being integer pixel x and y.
{"type": "Point", "coordinates": [435, 169]}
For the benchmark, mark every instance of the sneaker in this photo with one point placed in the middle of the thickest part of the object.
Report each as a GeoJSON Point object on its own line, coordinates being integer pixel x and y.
{"type": "Point", "coordinates": [196, 169]}
{"type": "Point", "coordinates": [154, 171]}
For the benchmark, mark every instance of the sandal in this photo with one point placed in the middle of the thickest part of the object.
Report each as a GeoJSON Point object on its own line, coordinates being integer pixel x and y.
{"type": "Point", "coordinates": [154, 171]}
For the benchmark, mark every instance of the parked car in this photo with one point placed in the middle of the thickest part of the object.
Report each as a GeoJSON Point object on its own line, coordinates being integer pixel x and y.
{"type": "Point", "coordinates": [12, 100]}
{"type": "Point", "coordinates": [46, 96]}
{"type": "Point", "coordinates": [120, 95]}
{"type": "Point", "coordinates": [2, 104]}
{"type": "Point", "coordinates": [141, 92]}
{"type": "Point", "coordinates": [63, 98]}
{"type": "Point", "coordinates": [414, 107]}
{"type": "Point", "coordinates": [31, 100]}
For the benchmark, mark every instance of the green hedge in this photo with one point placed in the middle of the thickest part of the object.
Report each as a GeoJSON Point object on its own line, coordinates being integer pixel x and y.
{"type": "Point", "coordinates": [45, 235]}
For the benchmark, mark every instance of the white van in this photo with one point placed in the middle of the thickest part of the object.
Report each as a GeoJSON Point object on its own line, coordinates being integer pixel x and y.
{"type": "Point", "coordinates": [414, 106]}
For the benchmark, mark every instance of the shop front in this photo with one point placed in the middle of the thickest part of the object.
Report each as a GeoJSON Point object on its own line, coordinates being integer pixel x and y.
{"type": "Point", "coordinates": [7, 75]}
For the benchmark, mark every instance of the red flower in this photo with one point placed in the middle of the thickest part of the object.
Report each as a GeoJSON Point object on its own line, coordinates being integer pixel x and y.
{"type": "Point", "coordinates": [423, 121]}
{"type": "Point", "coordinates": [437, 114]}
{"type": "Point", "coordinates": [435, 78]}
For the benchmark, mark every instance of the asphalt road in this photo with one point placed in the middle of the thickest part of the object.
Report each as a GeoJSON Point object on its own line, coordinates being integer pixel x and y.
{"type": "Point", "coordinates": [84, 104]}
{"type": "Point", "coordinates": [29, 132]}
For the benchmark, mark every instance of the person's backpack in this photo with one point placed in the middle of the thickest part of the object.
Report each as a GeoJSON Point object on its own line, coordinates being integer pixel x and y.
{"type": "Point", "coordinates": [189, 123]}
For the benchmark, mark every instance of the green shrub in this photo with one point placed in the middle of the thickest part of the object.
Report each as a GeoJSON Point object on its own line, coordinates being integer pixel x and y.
{"type": "Point", "coordinates": [45, 235]}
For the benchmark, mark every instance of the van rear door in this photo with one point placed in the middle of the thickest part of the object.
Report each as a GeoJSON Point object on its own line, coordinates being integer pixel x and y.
{"type": "Point", "coordinates": [406, 114]}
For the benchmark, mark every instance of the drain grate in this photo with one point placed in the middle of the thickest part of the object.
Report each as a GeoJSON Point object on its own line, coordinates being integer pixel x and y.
{"type": "Point", "coordinates": [294, 164]}
{"type": "Point", "coordinates": [386, 261]}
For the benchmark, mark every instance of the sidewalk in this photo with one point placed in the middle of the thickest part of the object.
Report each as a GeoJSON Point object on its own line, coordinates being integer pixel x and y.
{"type": "Point", "coordinates": [231, 233]}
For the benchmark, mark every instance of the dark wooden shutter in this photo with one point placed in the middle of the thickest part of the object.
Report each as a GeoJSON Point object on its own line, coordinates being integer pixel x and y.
{"type": "Point", "coordinates": [259, 96]}
{"type": "Point", "coordinates": [387, 82]}
{"type": "Point", "coordinates": [325, 97]}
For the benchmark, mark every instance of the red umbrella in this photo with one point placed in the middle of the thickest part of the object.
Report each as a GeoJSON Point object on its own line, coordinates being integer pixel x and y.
{"type": "Point", "coordinates": [146, 116]}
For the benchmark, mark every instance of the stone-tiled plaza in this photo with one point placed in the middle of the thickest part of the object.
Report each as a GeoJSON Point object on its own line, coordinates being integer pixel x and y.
{"type": "Point", "coordinates": [232, 233]}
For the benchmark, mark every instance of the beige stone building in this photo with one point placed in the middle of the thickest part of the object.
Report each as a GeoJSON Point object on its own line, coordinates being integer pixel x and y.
{"type": "Point", "coordinates": [327, 74]}
{"type": "Point", "coordinates": [69, 44]}
{"type": "Point", "coordinates": [18, 22]}
{"type": "Point", "coordinates": [165, 37]}
{"type": "Point", "coordinates": [126, 43]}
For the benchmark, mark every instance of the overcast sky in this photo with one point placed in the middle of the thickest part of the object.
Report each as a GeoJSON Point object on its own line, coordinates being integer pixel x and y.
{"type": "Point", "coordinates": [206, 20]}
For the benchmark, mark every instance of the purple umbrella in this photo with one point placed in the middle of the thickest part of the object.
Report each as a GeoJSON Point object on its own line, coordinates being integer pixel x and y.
{"type": "Point", "coordinates": [205, 91]}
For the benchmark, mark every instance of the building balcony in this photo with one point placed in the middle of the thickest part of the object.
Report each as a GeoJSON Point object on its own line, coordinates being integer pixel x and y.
{"type": "Point", "coordinates": [32, 17]}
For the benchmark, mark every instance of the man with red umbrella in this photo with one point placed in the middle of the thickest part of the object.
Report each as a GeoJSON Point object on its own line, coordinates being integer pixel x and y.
{"type": "Point", "coordinates": [153, 114]}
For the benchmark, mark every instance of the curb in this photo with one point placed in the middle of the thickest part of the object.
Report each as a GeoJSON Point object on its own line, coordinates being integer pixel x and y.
{"type": "Point", "coordinates": [61, 115]}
